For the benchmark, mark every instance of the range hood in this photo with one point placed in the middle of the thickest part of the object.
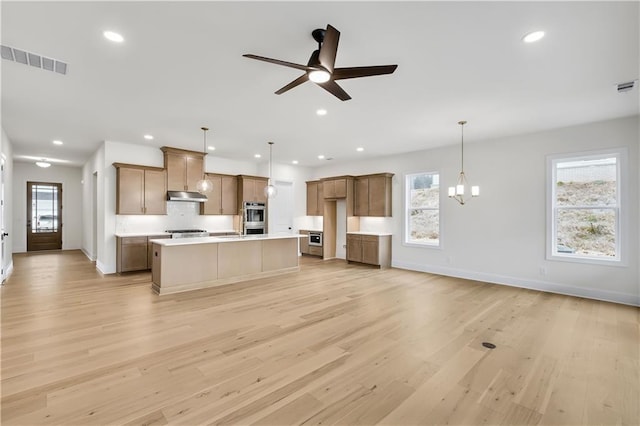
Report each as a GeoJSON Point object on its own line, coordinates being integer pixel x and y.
{"type": "Point", "coordinates": [186, 196]}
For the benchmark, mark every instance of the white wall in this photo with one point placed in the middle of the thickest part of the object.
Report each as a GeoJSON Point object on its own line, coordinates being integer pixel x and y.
{"type": "Point", "coordinates": [500, 236]}
{"type": "Point", "coordinates": [6, 150]}
{"type": "Point", "coordinates": [72, 217]}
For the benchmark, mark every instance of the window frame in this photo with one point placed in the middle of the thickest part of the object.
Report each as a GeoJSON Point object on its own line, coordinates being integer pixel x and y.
{"type": "Point", "coordinates": [621, 225]}
{"type": "Point", "coordinates": [407, 210]}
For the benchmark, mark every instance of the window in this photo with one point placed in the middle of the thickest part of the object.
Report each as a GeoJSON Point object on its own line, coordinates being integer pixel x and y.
{"type": "Point", "coordinates": [585, 207]}
{"type": "Point", "coordinates": [422, 205]}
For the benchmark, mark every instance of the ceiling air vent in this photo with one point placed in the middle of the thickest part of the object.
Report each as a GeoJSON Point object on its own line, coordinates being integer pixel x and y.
{"type": "Point", "coordinates": [33, 59]}
{"type": "Point", "coordinates": [626, 87]}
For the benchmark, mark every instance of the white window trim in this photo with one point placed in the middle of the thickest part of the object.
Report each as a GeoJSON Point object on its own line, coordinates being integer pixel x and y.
{"type": "Point", "coordinates": [406, 209]}
{"type": "Point", "coordinates": [622, 226]}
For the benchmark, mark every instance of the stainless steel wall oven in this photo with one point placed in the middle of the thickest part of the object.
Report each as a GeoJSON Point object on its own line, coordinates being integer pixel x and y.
{"type": "Point", "coordinates": [253, 218]}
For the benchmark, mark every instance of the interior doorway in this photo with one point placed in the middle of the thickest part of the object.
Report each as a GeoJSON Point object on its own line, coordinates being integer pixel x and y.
{"type": "Point", "coordinates": [44, 216]}
{"type": "Point", "coordinates": [281, 209]}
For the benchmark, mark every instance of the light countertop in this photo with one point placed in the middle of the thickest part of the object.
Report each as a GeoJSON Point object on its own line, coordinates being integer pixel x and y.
{"type": "Point", "coordinates": [312, 230]}
{"type": "Point", "coordinates": [378, 234]}
{"type": "Point", "coordinates": [223, 239]}
{"type": "Point", "coordinates": [153, 234]}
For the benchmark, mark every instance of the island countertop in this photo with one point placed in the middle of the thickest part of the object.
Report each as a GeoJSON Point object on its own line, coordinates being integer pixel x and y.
{"type": "Point", "coordinates": [224, 239]}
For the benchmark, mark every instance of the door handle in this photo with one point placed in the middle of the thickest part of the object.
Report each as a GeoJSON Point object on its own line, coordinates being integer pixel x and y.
{"type": "Point", "coordinates": [4, 234]}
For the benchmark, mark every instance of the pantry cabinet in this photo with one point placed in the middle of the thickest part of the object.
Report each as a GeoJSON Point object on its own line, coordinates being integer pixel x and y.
{"type": "Point", "coordinates": [315, 198]}
{"type": "Point", "coordinates": [223, 199]}
{"type": "Point", "coordinates": [140, 189]}
{"type": "Point", "coordinates": [184, 168]}
{"type": "Point", "coordinates": [373, 195]}
{"type": "Point", "coordinates": [369, 249]}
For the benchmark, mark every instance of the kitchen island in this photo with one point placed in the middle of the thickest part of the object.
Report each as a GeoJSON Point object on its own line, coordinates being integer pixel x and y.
{"type": "Point", "coordinates": [195, 263]}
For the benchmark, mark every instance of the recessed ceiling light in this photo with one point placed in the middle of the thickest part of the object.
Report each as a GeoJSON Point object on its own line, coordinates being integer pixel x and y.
{"type": "Point", "coordinates": [320, 157]}
{"type": "Point", "coordinates": [533, 36]}
{"type": "Point", "coordinates": [43, 164]}
{"type": "Point", "coordinates": [360, 149]}
{"type": "Point", "coordinates": [257, 155]}
{"type": "Point", "coordinates": [211, 148]}
{"type": "Point", "coordinates": [112, 36]}
{"type": "Point", "coordinates": [294, 162]}
{"type": "Point", "coordinates": [57, 142]}
{"type": "Point", "coordinates": [148, 137]}
{"type": "Point", "coordinates": [321, 111]}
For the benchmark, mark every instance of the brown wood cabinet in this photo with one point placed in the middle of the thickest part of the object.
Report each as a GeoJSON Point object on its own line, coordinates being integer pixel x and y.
{"type": "Point", "coordinates": [184, 168]}
{"type": "Point", "coordinates": [369, 249]}
{"type": "Point", "coordinates": [223, 199]}
{"type": "Point", "coordinates": [336, 187]}
{"type": "Point", "coordinates": [251, 188]}
{"type": "Point", "coordinates": [140, 189]}
{"type": "Point", "coordinates": [304, 242]}
{"type": "Point", "coordinates": [315, 198]}
{"type": "Point", "coordinates": [134, 253]}
{"type": "Point", "coordinates": [373, 195]}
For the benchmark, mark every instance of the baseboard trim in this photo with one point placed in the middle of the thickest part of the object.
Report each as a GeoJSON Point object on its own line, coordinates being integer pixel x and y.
{"type": "Point", "coordinates": [547, 286]}
{"type": "Point", "coordinates": [101, 267]}
{"type": "Point", "coordinates": [86, 253]}
{"type": "Point", "coordinates": [9, 270]}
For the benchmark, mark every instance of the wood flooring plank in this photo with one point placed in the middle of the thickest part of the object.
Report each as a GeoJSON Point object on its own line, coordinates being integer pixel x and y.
{"type": "Point", "coordinates": [332, 344]}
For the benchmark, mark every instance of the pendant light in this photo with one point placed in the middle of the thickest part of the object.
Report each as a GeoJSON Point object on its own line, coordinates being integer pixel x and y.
{"type": "Point", "coordinates": [270, 191]}
{"type": "Point", "coordinates": [458, 192]}
{"type": "Point", "coordinates": [204, 185]}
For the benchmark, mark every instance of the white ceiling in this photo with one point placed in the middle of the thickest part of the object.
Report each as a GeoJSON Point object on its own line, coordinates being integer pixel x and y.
{"type": "Point", "coordinates": [181, 67]}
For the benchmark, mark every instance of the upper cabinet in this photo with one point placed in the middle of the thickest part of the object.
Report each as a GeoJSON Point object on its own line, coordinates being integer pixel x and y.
{"type": "Point", "coordinates": [251, 188]}
{"type": "Point", "coordinates": [140, 189]}
{"type": "Point", "coordinates": [184, 168]}
{"type": "Point", "coordinates": [315, 198]}
{"type": "Point", "coordinates": [336, 187]}
{"type": "Point", "coordinates": [373, 195]}
{"type": "Point", "coordinates": [223, 199]}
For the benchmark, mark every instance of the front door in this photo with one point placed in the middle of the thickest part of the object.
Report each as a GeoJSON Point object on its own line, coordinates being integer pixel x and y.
{"type": "Point", "coordinates": [44, 216]}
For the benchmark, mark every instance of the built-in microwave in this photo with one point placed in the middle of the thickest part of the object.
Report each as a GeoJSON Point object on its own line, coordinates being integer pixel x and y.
{"type": "Point", "coordinates": [315, 239]}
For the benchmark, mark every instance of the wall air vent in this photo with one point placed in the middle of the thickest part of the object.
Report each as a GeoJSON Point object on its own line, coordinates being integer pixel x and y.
{"type": "Point", "coordinates": [626, 87]}
{"type": "Point", "coordinates": [33, 59]}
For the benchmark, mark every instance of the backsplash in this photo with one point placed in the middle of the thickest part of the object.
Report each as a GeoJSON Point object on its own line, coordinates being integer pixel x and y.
{"type": "Point", "coordinates": [375, 224]}
{"type": "Point", "coordinates": [180, 215]}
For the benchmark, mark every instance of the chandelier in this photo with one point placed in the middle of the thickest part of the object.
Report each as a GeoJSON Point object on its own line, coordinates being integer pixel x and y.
{"type": "Point", "coordinates": [458, 192]}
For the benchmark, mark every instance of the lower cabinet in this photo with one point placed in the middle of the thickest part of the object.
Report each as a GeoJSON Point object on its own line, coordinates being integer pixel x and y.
{"type": "Point", "coordinates": [134, 253]}
{"type": "Point", "coordinates": [369, 249]}
{"type": "Point", "coordinates": [306, 248]}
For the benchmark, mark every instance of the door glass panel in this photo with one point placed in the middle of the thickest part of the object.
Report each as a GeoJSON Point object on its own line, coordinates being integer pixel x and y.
{"type": "Point", "coordinates": [44, 208]}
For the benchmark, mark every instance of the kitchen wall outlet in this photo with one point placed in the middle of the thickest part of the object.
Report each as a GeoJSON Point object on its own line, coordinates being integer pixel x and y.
{"type": "Point", "coordinates": [543, 270]}
{"type": "Point", "coordinates": [344, 246]}
{"type": "Point", "coordinates": [448, 260]}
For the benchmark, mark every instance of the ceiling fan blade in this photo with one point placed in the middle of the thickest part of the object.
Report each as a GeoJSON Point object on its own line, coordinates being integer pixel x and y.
{"type": "Point", "coordinates": [355, 72]}
{"type": "Point", "coordinates": [329, 48]}
{"type": "Point", "coordinates": [277, 62]}
{"type": "Point", "coordinates": [333, 88]}
{"type": "Point", "coordinates": [298, 81]}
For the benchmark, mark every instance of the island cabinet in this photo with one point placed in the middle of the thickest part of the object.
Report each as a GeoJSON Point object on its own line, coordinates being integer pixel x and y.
{"type": "Point", "coordinates": [305, 248]}
{"type": "Point", "coordinates": [134, 253]}
{"type": "Point", "coordinates": [373, 195]}
{"type": "Point", "coordinates": [140, 189]}
{"type": "Point", "coordinates": [223, 199]}
{"type": "Point", "coordinates": [315, 198]}
{"type": "Point", "coordinates": [184, 168]}
{"type": "Point", "coordinates": [251, 189]}
{"type": "Point", "coordinates": [337, 187]}
{"type": "Point", "coordinates": [369, 249]}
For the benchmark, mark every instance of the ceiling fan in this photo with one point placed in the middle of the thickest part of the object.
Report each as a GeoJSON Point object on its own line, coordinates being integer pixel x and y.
{"type": "Point", "coordinates": [320, 68]}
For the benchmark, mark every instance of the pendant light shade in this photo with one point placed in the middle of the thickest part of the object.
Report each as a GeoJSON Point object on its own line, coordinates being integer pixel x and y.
{"type": "Point", "coordinates": [204, 185]}
{"type": "Point", "coordinates": [458, 192]}
{"type": "Point", "coordinates": [270, 191]}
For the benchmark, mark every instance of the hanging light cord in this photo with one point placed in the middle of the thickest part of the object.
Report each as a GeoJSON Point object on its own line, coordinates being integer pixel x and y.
{"type": "Point", "coordinates": [462, 123]}
{"type": "Point", "coordinates": [270, 157]}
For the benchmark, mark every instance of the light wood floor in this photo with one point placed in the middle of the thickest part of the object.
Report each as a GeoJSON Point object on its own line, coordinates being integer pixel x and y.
{"type": "Point", "coordinates": [334, 343]}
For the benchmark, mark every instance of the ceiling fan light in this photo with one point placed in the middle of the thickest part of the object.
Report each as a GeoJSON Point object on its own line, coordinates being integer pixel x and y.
{"type": "Point", "coordinates": [319, 76]}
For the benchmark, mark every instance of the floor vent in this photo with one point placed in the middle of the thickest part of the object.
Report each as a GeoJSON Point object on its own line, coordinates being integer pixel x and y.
{"type": "Point", "coordinates": [33, 59]}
